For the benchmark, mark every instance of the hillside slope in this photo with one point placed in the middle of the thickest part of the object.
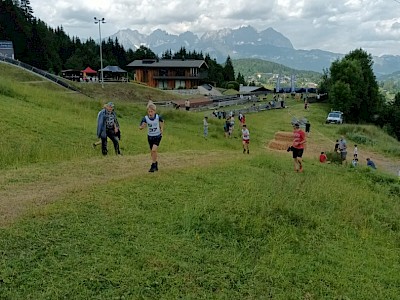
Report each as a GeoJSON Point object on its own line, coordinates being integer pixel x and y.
{"type": "Point", "coordinates": [211, 223]}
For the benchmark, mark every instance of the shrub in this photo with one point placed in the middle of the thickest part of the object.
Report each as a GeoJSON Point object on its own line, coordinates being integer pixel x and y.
{"type": "Point", "coordinates": [334, 157]}
{"type": "Point", "coordinates": [360, 138]}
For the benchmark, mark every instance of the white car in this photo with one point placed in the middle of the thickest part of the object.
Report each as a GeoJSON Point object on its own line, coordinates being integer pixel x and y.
{"type": "Point", "coordinates": [335, 117]}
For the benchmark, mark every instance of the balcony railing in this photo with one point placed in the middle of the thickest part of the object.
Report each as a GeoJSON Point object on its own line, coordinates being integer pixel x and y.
{"type": "Point", "coordinates": [181, 77]}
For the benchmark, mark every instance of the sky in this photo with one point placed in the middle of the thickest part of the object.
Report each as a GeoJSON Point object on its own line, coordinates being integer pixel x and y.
{"type": "Point", "coordinates": [340, 26]}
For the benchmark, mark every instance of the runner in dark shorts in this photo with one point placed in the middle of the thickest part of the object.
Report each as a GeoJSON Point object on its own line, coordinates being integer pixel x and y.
{"type": "Point", "coordinates": [299, 139]}
{"type": "Point", "coordinates": [154, 140]}
{"type": "Point", "coordinates": [297, 152]}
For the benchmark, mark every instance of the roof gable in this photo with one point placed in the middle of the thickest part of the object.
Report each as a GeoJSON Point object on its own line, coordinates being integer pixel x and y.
{"type": "Point", "coordinates": [113, 69]}
{"type": "Point", "coordinates": [168, 63]}
{"type": "Point", "coordinates": [89, 70]}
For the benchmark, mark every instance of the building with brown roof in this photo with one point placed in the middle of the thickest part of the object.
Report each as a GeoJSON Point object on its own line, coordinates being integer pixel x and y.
{"type": "Point", "coordinates": [169, 73]}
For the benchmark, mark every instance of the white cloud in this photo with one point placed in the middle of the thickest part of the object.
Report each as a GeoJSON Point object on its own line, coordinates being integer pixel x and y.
{"type": "Point", "coordinates": [341, 26]}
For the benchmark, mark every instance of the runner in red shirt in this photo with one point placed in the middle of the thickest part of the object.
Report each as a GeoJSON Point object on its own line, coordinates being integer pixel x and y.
{"type": "Point", "coordinates": [299, 139]}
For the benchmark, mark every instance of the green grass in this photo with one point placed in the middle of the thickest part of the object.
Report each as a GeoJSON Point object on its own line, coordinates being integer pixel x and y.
{"type": "Point", "coordinates": [127, 92]}
{"type": "Point", "coordinates": [211, 224]}
{"type": "Point", "coordinates": [246, 230]}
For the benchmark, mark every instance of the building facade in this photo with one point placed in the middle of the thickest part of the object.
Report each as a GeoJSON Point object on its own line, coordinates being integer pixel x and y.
{"type": "Point", "coordinates": [6, 49]}
{"type": "Point", "coordinates": [169, 73]}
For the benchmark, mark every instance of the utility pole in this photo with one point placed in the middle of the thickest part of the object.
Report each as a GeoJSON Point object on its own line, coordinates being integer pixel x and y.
{"type": "Point", "coordinates": [100, 21]}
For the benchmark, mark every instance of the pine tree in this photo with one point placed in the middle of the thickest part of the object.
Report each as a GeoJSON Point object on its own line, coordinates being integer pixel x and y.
{"type": "Point", "coordinates": [228, 71]}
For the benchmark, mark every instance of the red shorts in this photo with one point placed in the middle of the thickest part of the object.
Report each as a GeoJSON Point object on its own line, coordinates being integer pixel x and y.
{"type": "Point", "coordinates": [246, 141]}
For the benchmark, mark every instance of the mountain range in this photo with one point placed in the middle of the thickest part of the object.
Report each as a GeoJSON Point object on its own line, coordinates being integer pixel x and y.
{"type": "Point", "coordinates": [246, 42]}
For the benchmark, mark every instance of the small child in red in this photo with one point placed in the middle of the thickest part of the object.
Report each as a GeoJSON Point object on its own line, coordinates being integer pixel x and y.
{"type": "Point", "coordinates": [322, 157]}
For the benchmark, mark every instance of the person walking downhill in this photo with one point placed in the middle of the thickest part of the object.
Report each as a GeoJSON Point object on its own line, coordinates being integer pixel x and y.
{"type": "Point", "coordinates": [245, 139]}
{"type": "Point", "coordinates": [108, 126]}
{"type": "Point", "coordinates": [155, 125]}
{"type": "Point", "coordinates": [299, 139]}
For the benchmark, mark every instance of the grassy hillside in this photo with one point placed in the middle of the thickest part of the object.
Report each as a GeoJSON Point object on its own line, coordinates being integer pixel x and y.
{"type": "Point", "coordinates": [127, 92]}
{"type": "Point", "coordinates": [213, 223]}
{"type": "Point", "coordinates": [252, 66]}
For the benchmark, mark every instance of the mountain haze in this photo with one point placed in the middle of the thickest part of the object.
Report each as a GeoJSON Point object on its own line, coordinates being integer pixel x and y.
{"type": "Point", "coordinates": [246, 42]}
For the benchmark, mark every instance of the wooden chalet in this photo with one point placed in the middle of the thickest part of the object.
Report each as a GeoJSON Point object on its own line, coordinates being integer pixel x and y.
{"type": "Point", "coordinates": [169, 73]}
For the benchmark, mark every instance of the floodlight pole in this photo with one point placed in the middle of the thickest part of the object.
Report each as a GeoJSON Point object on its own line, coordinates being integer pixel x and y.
{"type": "Point", "coordinates": [100, 21]}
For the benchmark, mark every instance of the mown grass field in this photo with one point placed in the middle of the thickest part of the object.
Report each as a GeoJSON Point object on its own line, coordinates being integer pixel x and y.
{"type": "Point", "coordinates": [211, 224]}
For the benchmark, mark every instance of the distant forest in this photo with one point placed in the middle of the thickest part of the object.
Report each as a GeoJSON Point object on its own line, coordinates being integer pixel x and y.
{"type": "Point", "coordinates": [53, 50]}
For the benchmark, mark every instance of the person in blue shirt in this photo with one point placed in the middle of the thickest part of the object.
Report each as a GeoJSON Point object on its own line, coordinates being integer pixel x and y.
{"type": "Point", "coordinates": [108, 126]}
{"type": "Point", "coordinates": [370, 163]}
{"type": "Point", "coordinates": [155, 126]}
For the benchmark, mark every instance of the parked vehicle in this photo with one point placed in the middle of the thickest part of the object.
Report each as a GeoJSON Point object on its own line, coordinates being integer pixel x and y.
{"type": "Point", "coordinates": [335, 117]}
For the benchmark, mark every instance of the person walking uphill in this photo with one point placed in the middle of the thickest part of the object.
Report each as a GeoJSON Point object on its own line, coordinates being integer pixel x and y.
{"type": "Point", "coordinates": [108, 126]}
{"type": "Point", "coordinates": [155, 125]}
{"type": "Point", "coordinates": [299, 139]}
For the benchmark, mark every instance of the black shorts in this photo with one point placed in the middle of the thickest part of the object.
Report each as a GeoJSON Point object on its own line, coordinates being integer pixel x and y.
{"type": "Point", "coordinates": [154, 140]}
{"type": "Point", "coordinates": [297, 152]}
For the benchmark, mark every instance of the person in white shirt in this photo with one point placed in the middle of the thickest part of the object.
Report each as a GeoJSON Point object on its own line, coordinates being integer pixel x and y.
{"type": "Point", "coordinates": [155, 125]}
{"type": "Point", "coordinates": [245, 139]}
{"type": "Point", "coordinates": [187, 104]}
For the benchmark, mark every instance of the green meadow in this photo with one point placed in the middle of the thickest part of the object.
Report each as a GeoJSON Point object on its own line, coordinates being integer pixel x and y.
{"type": "Point", "coordinates": [212, 223]}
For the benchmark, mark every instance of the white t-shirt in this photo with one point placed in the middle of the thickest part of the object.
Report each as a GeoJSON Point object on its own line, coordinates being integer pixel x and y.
{"type": "Point", "coordinates": [245, 134]}
{"type": "Point", "coordinates": [153, 125]}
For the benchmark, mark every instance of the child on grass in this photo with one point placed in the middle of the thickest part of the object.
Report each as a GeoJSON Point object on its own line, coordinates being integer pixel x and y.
{"type": "Point", "coordinates": [155, 125]}
{"type": "Point", "coordinates": [245, 139]}
{"type": "Point", "coordinates": [323, 158]}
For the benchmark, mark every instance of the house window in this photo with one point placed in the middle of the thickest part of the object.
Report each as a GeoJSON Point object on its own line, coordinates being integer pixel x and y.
{"type": "Point", "coordinates": [180, 84]}
{"type": "Point", "coordinates": [194, 72]}
{"type": "Point", "coordinates": [163, 72]}
{"type": "Point", "coordinates": [162, 84]}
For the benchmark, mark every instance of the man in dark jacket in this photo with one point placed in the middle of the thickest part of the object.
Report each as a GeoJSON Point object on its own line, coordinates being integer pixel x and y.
{"type": "Point", "coordinates": [108, 126]}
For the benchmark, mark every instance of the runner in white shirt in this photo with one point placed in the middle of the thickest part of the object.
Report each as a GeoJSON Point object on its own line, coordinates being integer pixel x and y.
{"type": "Point", "coordinates": [155, 125]}
{"type": "Point", "coordinates": [245, 139]}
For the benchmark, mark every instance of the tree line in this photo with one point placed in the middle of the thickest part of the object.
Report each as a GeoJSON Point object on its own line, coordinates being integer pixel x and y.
{"type": "Point", "coordinates": [53, 50]}
{"type": "Point", "coordinates": [352, 88]}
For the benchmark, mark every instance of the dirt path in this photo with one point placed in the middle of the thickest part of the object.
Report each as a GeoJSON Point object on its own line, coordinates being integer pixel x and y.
{"type": "Point", "coordinates": [25, 188]}
{"type": "Point", "coordinates": [317, 142]}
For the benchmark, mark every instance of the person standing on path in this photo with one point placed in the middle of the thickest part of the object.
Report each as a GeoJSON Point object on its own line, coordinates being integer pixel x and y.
{"type": "Point", "coordinates": [205, 126]}
{"type": "Point", "coordinates": [155, 125]}
{"type": "Point", "coordinates": [343, 149]}
{"type": "Point", "coordinates": [308, 126]}
{"type": "Point", "coordinates": [355, 152]}
{"type": "Point", "coordinates": [336, 146]}
{"type": "Point", "coordinates": [108, 126]}
{"type": "Point", "coordinates": [187, 105]}
{"type": "Point", "coordinates": [299, 139]}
